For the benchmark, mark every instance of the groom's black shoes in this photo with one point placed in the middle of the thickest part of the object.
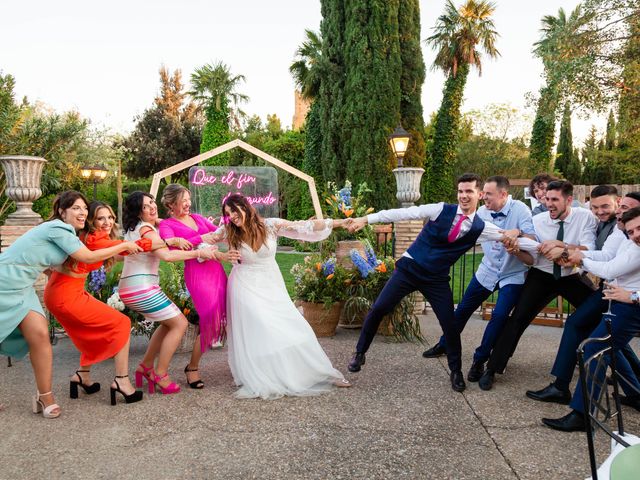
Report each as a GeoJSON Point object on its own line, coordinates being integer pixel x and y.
{"type": "Point", "coordinates": [572, 422]}
{"type": "Point", "coordinates": [436, 351]}
{"type": "Point", "coordinates": [356, 362]}
{"type": "Point", "coordinates": [457, 381]}
{"type": "Point", "coordinates": [550, 393]}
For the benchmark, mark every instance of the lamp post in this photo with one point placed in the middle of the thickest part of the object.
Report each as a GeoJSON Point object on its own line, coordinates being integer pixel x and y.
{"type": "Point", "coordinates": [407, 178]}
{"type": "Point", "coordinates": [96, 174]}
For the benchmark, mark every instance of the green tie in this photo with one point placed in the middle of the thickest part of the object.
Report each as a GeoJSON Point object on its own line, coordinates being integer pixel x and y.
{"type": "Point", "coordinates": [557, 269]}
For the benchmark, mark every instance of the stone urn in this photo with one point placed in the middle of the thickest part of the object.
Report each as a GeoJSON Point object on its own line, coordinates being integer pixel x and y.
{"type": "Point", "coordinates": [23, 175]}
{"type": "Point", "coordinates": [408, 184]}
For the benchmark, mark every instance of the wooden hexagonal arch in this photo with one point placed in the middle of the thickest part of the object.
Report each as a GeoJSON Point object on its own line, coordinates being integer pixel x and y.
{"type": "Point", "coordinates": [155, 184]}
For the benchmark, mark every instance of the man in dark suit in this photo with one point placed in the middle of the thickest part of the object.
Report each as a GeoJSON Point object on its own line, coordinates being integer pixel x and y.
{"type": "Point", "coordinates": [450, 231]}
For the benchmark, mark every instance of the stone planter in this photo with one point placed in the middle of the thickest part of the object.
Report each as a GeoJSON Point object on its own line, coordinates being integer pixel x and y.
{"type": "Point", "coordinates": [408, 182]}
{"type": "Point", "coordinates": [343, 252]}
{"type": "Point", "coordinates": [23, 175]}
{"type": "Point", "coordinates": [323, 320]}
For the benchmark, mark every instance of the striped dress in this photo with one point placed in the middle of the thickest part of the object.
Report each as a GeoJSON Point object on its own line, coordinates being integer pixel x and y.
{"type": "Point", "coordinates": [139, 287]}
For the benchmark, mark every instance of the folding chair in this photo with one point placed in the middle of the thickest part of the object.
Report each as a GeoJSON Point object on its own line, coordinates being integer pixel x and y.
{"type": "Point", "coordinates": [602, 405]}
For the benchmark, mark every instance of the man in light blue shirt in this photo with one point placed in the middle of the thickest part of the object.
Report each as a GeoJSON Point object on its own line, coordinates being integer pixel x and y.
{"type": "Point", "coordinates": [498, 271]}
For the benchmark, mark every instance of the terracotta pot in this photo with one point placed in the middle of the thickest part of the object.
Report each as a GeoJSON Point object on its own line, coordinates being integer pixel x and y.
{"type": "Point", "coordinates": [323, 320]}
{"type": "Point", "coordinates": [343, 251]}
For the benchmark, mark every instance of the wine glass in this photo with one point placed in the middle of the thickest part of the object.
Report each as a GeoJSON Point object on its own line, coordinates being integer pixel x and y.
{"type": "Point", "coordinates": [609, 283]}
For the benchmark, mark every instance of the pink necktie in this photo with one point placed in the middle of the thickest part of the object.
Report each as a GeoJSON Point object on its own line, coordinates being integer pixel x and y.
{"type": "Point", "coordinates": [456, 229]}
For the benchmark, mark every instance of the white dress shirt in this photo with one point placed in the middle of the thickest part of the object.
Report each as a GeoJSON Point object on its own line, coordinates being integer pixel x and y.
{"type": "Point", "coordinates": [624, 268]}
{"type": "Point", "coordinates": [579, 229]}
{"type": "Point", "coordinates": [610, 247]}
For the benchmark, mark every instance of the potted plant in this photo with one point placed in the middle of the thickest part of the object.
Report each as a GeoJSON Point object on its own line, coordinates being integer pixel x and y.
{"type": "Point", "coordinates": [342, 204]}
{"type": "Point", "coordinates": [365, 284]}
{"type": "Point", "coordinates": [319, 290]}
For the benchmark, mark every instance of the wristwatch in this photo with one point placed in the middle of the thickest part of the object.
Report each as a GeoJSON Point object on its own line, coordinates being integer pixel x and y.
{"type": "Point", "coordinates": [635, 298]}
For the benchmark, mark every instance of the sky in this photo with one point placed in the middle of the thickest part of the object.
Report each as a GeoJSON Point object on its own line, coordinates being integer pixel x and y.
{"type": "Point", "coordinates": [102, 58]}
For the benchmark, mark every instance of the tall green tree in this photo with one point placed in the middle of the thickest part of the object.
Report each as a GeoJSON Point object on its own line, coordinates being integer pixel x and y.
{"type": "Point", "coordinates": [165, 134]}
{"type": "Point", "coordinates": [554, 31]}
{"type": "Point", "coordinates": [411, 80]}
{"type": "Point", "coordinates": [215, 88]}
{"type": "Point", "coordinates": [629, 106]}
{"type": "Point", "coordinates": [306, 71]}
{"type": "Point", "coordinates": [330, 101]}
{"type": "Point", "coordinates": [564, 151]}
{"type": "Point", "coordinates": [460, 35]}
{"type": "Point", "coordinates": [610, 136]}
{"type": "Point", "coordinates": [371, 106]}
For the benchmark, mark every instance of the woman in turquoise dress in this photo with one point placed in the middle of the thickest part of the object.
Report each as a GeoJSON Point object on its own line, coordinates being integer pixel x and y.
{"type": "Point", "coordinates": [23, 327]}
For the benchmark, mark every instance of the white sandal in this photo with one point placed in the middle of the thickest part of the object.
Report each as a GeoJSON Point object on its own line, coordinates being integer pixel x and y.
{"type": "Point", "coordinates": [342, 383]}
{"type": "Point", "coordinates": [38, 406]}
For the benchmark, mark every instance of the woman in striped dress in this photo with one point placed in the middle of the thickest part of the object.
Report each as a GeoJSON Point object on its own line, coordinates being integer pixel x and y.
{"type": "Point", "coordinates": [139, 290]}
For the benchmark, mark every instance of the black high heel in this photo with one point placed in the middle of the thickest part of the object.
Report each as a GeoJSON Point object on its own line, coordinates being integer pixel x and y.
{"type": "Point", "coordinates": [88, 389]}
{"type": "Point", "coordinates": [198, 384]}
{"type": "Point", "coordinates": [133, 398]}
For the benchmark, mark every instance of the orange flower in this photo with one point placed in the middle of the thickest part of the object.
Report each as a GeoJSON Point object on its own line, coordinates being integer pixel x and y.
{"type": "Point", "coordinates": [318, 266]}
{"type": "Point", "coordinates": [382, 268]}
{"type": "Point", "coordinates": [330, 276]}
{"type": "Point", "coordinates": [186, 311]}
{"type": "Point", "coordinates": [369, 210]}
{"type": "Point", "coordinates": [328, 201]}
{"type": "Point", "coordinates": [348, 213]}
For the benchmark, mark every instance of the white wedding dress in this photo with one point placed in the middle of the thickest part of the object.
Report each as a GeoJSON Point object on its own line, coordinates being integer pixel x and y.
{"type": "Point", "coordinates": [272, 349]}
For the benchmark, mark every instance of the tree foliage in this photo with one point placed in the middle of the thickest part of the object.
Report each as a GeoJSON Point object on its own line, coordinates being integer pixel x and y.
{"type": "Point", "coordinates": [411, 79]}
{"type": "Point", "coordinates": [165, 134]}
{"type": "Point", "coordinates": [460, 35]}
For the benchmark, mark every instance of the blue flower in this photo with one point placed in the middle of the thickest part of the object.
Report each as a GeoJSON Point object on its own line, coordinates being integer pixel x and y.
{"type": "Point", "coordinates": [361, 263]}
{"type": "Point", "coordinates": [371, 255]}
{"type": "Point", "coordinates": [329, 267]}
{"type": "Point", "coordinates": [97, 280]}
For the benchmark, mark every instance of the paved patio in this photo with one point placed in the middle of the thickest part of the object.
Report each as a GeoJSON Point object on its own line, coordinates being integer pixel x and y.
{"type": "Point", "coordinates": [400, 420]}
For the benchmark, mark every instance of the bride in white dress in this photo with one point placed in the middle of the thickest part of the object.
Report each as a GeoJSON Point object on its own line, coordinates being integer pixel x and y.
{"type": "Point", "coordinates": [272, 349]}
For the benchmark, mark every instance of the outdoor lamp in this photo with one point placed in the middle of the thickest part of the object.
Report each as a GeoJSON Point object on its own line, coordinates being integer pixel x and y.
{"type": "Point", "coordinates": [96, 174]}
{"type": "Point", "coordinates": [399, 141]}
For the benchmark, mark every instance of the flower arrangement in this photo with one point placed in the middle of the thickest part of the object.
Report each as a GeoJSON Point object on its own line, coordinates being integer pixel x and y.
{"type": "Point", "coordinates": [320, 280]}
{"type": "Point", "coordinates": [343, 204]}
{"type": "Point", "coordinates": [365, 284]}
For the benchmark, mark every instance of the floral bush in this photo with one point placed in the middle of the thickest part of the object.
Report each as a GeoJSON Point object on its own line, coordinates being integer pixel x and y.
{"type": "Point", "coordinates": [320, 280]}
{"type": "Point", "coordinates": [365, 284]}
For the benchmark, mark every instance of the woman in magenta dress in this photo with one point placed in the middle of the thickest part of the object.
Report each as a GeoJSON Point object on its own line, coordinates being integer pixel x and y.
{"type": "Point", "coordinates": [206, 282]}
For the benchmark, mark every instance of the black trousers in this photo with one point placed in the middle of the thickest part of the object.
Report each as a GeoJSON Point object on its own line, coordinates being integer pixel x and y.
{"type": "Point", "coordinates": [538, 290]}
{"type": "Point", "coordinates": [408, 277]}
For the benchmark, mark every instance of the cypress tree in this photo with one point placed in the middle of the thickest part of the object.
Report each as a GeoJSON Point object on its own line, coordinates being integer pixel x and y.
{"type": "Point", "coordinates": [544, 129]}
{"type": "Point", "coordinates": [565, 144]}
{"type": "Point", "coordinates": [312, 164]}
{"type": "Point", "coordinates": [216, 132]}
{"type": "Point", "coordinates": [371, 94]}
{"type": "Point", "coordinates": [610, 137]}
{"type": "Point", "coordinates": [331, 95]}
{"type": "Point", "coordinates": [411, 79]}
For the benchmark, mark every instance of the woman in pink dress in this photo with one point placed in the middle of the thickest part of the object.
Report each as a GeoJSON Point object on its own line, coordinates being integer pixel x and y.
{"type": "Point", "coordinates": [206, 281]}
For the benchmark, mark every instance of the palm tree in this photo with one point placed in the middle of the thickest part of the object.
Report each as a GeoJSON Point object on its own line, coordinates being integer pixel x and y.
{"type": "Point", "coordinates": [460, 37]}
{"type": "Point", "coordinates": [214, 86]}
{"type": "Point", "coordinates": [558, 38]}
{"type": "Point", "coordinates": [305, 70]}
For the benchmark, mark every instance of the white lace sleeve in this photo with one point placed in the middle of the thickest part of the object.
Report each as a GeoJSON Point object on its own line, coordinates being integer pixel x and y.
{"type": "Point", "coordinates": [307, 230]}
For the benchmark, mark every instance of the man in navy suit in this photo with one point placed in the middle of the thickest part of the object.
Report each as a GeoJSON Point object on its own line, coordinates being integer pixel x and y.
{"type": "Point", "coordinates": [449, 232]}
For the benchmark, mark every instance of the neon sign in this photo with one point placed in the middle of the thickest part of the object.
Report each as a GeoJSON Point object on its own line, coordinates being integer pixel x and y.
{"type": "Point", "coordinates": [210, 186]}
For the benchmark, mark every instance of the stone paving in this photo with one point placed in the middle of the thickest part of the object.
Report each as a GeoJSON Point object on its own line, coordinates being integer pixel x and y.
{"type": "Point", "coordinates": [400, 420]}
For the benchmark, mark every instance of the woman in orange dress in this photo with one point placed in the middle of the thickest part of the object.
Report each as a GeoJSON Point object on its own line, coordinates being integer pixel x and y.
{"type": "Point", "coordinates": [98, 331]}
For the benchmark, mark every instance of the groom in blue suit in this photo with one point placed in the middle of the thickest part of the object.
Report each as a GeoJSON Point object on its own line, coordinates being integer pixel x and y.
{"type": "Point", "coordinates": [450, 230]}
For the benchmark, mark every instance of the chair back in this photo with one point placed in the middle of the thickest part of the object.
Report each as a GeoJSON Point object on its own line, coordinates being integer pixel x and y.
{"type": "Point", "coordinates": [601, 404]}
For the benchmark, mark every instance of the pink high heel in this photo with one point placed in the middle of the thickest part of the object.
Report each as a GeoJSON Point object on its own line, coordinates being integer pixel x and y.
{"type": "Point", "coordinates": [169, 389]}
{"type": "Point", "coordinates": [147, 373]}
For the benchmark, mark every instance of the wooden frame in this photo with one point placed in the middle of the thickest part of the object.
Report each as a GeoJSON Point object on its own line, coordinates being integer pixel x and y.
{"type": "Point", "coordinates": [158, 176]}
